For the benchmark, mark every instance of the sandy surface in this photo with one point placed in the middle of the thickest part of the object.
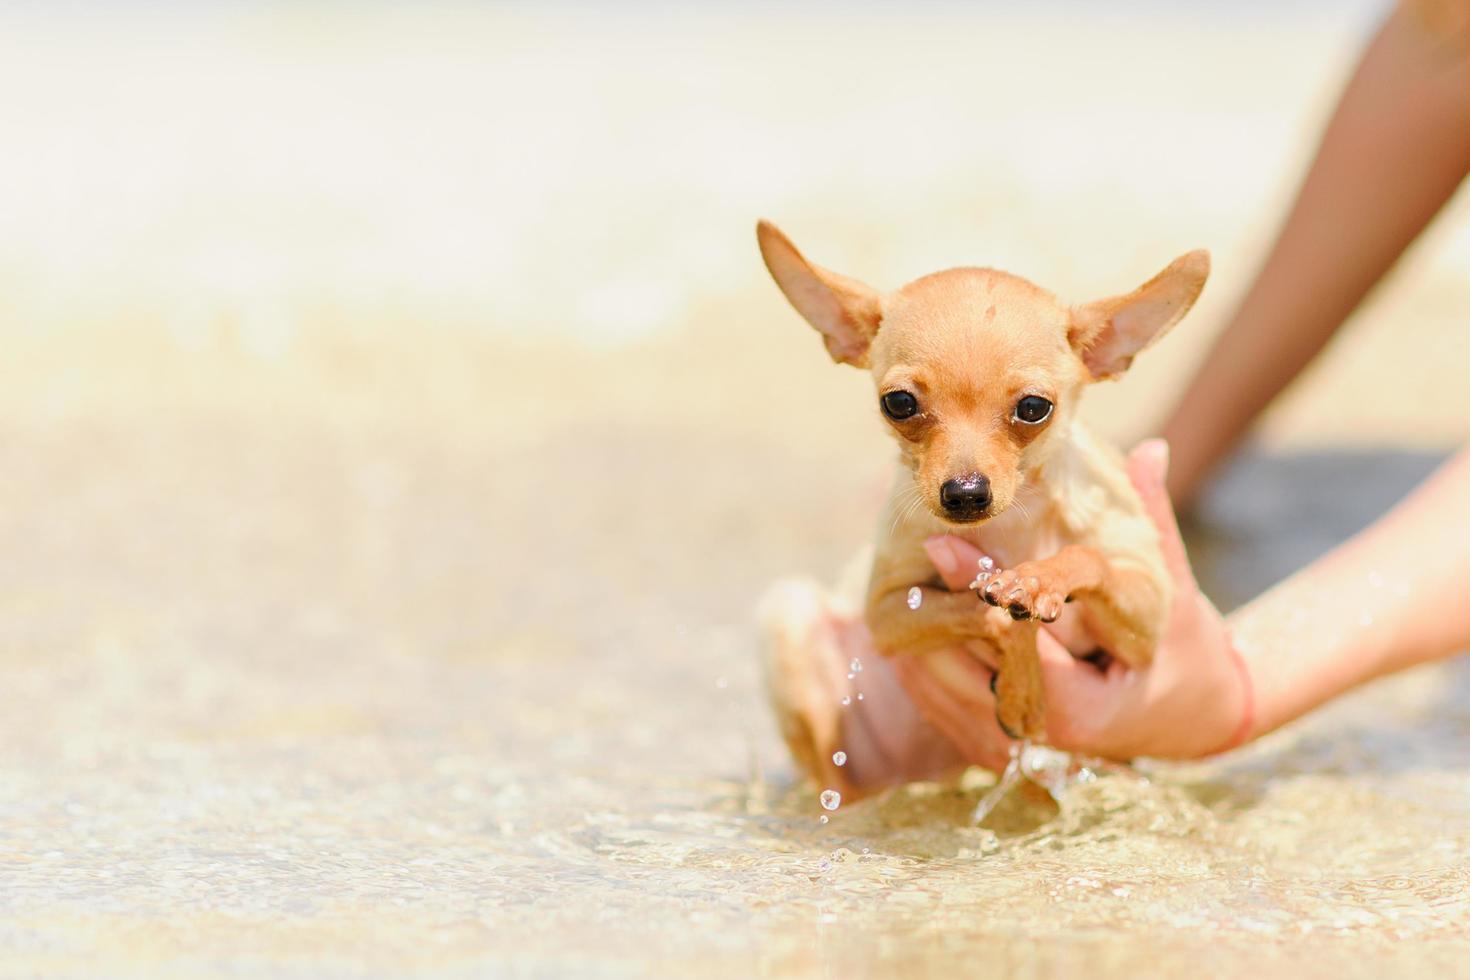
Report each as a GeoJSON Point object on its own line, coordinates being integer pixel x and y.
{"type": "Point", "coordinates": [397, 430]}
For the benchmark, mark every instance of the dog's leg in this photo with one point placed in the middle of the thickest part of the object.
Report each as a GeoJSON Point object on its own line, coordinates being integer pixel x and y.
{"type": "Point", "coordinates": [941, 619]}
{"type": "Point", "coordinates": [1017, 685]}
{"type": "Point", "coordinates": [1125, 607]}
{"type": "Point", "coordinates": [1127, 614]}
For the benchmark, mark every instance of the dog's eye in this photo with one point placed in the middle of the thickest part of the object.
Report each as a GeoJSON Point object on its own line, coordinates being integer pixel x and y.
{"type": "Point", "coordinates": [900, 405]}
{"type": "Point", "coordinates": [1033, 409]}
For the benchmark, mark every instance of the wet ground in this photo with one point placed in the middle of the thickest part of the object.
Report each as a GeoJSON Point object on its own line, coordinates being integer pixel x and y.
{"type": "Point", "coordinates": [397, 430]}
{"type": "Point", "coordinates": [352, 691]}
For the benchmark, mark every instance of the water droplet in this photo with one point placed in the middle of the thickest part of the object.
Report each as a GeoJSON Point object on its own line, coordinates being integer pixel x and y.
{"type": "Point", "coordinates": [916, 597]}
{"type": "Point", "coordinates": [824, 818]}
{"type": "Point", "coordinates": [860, 695]}
{"type": "Point", "coordinates": [986, 564]}
{"type": "Point", "coordinates": [851, 676]}
{"type": "Point", "coordinates": [831, 799]}
{"type": "Point", "coordinates": [856, 666]}
{"type": "Point", "coordinates": [846, 700]}
{"type": "Point", "coordinates": [839, 758]}
{"type": "Point", "coordinates": [867, 850]}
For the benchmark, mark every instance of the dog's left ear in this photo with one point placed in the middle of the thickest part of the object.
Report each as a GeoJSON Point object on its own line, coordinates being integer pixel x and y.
{"type": "Point", "coordinates": [1108, 334]}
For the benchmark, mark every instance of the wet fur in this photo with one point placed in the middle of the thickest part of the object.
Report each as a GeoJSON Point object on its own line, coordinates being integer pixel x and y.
{"type": "Point", "coordinates": [1064, 523]}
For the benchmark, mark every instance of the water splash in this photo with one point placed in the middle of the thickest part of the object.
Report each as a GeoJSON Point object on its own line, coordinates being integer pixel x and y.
{"type": "Point", "coordinates": [1055, 771]}
{"type": "Point", "coordinates": [983, 576]}
{"type": "Point", "coordinates": [1009, 778]}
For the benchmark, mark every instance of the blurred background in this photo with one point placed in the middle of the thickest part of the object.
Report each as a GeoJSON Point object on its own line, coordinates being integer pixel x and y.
{"type": "Point", "coordinates": [397, 427]}
{"type": "Point", "coordinates": [268, 191]}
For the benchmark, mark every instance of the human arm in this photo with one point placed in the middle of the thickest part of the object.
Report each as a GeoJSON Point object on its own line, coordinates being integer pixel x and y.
{"type": "Point", "coordinates": [1389, 598]}
{"type": "Point", "coordinates": [1394, 151]}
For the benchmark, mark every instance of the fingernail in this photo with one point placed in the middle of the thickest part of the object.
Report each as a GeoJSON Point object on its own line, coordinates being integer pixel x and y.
{"type": "Point", "coordinates": [941, 553]}
{"type": "Point", "coordinates": [1151, 460]}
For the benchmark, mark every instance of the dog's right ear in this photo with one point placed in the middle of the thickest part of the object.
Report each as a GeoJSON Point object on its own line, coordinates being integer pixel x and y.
{"type": "Point", "coordinates": [1107, 334]}
{"type": "Point", "coordinates": [843, 310]}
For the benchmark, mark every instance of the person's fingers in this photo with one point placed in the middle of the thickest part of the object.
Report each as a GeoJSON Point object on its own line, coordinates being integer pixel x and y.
{"type": "Point", "coordinates": [1148, 466]}
{"type": "Point", "coordinates": [964, 713]}
{"type": "Point", "coordinates": [939, 707]}
{"type": "Point", "coordinates": [1077, 696]}
{"type": "Point", "coordinates": [967, 678]}
{"type": "Point", "coordinates": [984, 653]}
{"type": "Point", "coordinates": [1061, 665]}
{"type": "Point", "coordinates": [956, 560]}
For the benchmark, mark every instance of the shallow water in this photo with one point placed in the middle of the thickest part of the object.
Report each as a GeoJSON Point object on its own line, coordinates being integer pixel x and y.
{"type": "Point", "coordinates": [350, 701]}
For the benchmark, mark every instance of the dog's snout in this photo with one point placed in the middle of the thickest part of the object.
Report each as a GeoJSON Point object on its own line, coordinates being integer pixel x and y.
{"type": "Point", "coordinates": [965, 497]}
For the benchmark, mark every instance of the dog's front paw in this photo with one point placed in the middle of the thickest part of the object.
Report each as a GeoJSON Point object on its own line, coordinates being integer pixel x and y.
{"type": "Point", "coordinates": [1027, 591]}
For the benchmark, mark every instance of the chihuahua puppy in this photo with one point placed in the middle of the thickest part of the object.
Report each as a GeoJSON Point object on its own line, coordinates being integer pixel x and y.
{"type": "Point", "coordinates": [978, 374]}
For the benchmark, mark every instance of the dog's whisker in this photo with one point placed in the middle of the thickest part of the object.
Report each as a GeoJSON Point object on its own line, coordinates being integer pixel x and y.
{"type": "Point", "coordinates": [916, 499]}
{"type": "Point", "coordinates": [907, 501]}
{"type": "Point", "coordinates": [900, 511]}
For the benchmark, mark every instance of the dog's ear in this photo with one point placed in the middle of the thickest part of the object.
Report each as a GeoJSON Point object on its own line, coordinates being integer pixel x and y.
{"type": "Point", "coordinates": [1108, 333]}
{"type": "Point", "coordinates": [843, 310]}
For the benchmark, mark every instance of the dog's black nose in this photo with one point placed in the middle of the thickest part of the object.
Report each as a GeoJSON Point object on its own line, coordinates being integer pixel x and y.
{"type": "Point", "coordinates": [967, 496]}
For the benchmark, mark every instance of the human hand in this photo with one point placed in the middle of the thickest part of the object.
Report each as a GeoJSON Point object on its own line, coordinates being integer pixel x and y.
{"type": "Point", "coordinates": [1194, 699]}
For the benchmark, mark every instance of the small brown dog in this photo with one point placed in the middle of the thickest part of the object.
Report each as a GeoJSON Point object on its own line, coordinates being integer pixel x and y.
{"type": "Point", "coordinates": [978, 375]}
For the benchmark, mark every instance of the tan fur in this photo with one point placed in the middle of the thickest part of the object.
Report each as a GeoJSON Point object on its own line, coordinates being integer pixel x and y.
{"type": "Point", "coordinates": [1063, 522]}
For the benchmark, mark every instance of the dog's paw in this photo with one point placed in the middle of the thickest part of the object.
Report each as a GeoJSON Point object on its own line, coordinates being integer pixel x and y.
{"type": "Point", "coordinates": [1027, 591]}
